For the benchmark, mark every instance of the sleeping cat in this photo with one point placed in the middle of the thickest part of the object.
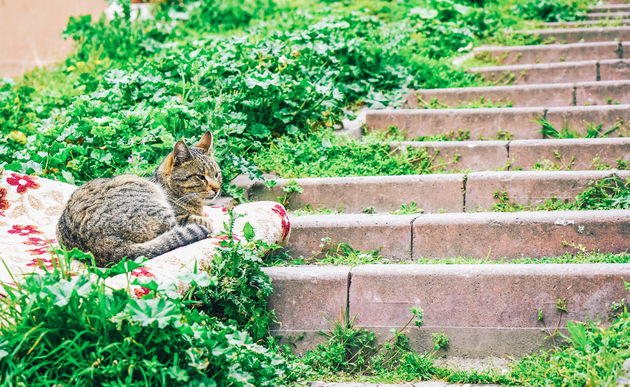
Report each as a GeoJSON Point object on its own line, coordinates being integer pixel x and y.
{"type": "Point", "coordinates": [130, 216]}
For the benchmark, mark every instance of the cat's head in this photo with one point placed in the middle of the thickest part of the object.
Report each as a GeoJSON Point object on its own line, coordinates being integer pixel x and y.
{"type": "Point", "coordinates": [191, 175]}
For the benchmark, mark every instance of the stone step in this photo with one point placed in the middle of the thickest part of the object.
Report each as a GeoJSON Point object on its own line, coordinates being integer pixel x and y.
{"type": "Point", "coordinates": [607, 15]}
{"type": "Point", "coordinates": [549, 53]}
{"type": "Point", "coordinates": [502, 234]}
{"type": "Point", "coordinates": [610, 8]}
{"type": "Point", "coordinates": [557, 72]}
{"type": "Point", "coordinates": [548, 95]}
{"type": "Point", "coordinates": [569, 154]}
{"type": "Point", "coordinates": [493, 123]}
{"type": "Point", "coordinates": [575, 35]}
{"type": "Point", "coordinates": [582, 23]}
{"type": "Point", "coordinates": [612, 2]}
{"type": "Point", "coordinates": [485, 310]}
{"type": "Point", "coordinates": [432, 193]}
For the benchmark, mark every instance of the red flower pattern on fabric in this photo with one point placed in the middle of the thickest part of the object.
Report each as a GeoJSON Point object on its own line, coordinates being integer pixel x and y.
{"type": "Point", "coordinates": [48, 263]}
{"type": "Point", "coordinates": [40, 251]}
{"type": "Point", "coordinates": [4, 203]}
{"type": "Point", "coordinates": [286, 224]}
{"type": "Point", "coordinates": [32, 241]}
{"type": "Point", "coordinates": [23, 182]}
{"type": "Point", "coordinates": [24, 230]}
{"type": "Point", "coordinates": [142, 272]}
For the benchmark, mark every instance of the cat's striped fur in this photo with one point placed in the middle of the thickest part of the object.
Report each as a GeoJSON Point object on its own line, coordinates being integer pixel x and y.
{"type": "Point", "coordinates": [133, 216]}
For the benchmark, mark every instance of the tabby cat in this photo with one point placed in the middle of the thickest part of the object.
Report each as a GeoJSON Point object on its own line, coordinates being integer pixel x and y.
{"type": "Point", "coordinates": [130, 216]}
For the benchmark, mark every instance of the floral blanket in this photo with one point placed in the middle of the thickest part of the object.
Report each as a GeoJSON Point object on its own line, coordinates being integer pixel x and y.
{"type": "Point", "coordinates": [30, 207]}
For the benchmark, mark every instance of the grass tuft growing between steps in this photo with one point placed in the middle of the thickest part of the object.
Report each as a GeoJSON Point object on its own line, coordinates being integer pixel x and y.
{"type": "Point", "coordinates": [592, 355]}
{"type": "Point", "coordinates": [345, 255]}
{"type": "Point", "coordinates": [611, 193]}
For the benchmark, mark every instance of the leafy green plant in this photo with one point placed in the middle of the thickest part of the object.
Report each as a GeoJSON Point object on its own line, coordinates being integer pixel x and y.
{"type": "Point", "coordinates": [552, 10]}
{"type": "Point", "coordinates": [559, 165]}
{"type": "Point", "coordinates": [65, 327]}
{"type": "Point", "coordinates": [594, 357]}
{"type": "Point", "coordinates": [290, 189]}
{"type": "Point", "coordinates": [609, 193]}
{"type": "Point", "coordinates": [461, 135]}
{"type": "Point", "coordinates": [239, 288]}
{"type": "Point", "coordinates": [325, 154]}
{"type": "Point", "coordinates": [440, 341]}
{"type": "Point", "coordinates": [308, 210]}
{"type": "Point", "coordinates": [408, 209]}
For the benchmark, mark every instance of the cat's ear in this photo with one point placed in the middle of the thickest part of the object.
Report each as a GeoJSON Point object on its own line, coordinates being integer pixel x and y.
{"type": "Point", "coordinates": [181, 153]}
{"type": "Point", "coordinates": [206, 142]}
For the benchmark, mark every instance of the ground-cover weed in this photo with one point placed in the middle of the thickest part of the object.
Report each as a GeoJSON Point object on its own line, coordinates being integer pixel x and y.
{"type": "Point", "coordinates": [590, 130]}
{"type": "Point", "coordinates": [609, 193]}
{"type": "Point", "coordinates": [354, 354]}
{"type": "Point", "coordinates": [324, 154]}
{"type": "Point", "coordinates": [239, 290]}
{"type": "Point", "coordinates": [594, 357]}
{"type": "Point", "coordinates": [133, 87]}
{"type": "Point", "coordinates": [155, 81]}
{"type": "Point", "coordinates": [552, 10]}
{"type": "Point", "coordinates": [408, 209]}
{"type": "Point", "coordinates": [61, 327]}
{"type": "Point", "coordinates": [348, 256]}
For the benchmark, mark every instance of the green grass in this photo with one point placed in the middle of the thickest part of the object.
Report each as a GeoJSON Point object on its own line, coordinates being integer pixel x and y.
{"type": "Point", "coordinates": [594, 355]}
{"type": "Point", "coordinates": [270, 79]}
{"type": "Point", "coordinates": [345, 255]}
{"type": "Point", "coordinates": [324, 154]}
{"type": "Point", "coordinates": [607, 194]}
{"type": "Point", "coordinates": [62, 327]}
{"type": "Point", "coordinates": [619, 129]}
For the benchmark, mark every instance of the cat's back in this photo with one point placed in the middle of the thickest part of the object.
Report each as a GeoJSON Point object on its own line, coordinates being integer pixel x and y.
{"type": "Point", "coordinates": [108, 205]}
{"type": "Point", "coordinates": [122, 192]}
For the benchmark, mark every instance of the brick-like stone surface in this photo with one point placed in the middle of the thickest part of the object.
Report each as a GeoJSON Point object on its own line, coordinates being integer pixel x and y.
{"type": "Point", "coordinates": [307, 297]}
{"type": "Point", "coordinates": [528, 187]}
{"type": "Point", "coordinates": [583, 34]}
{"type": "Point", "coordinates": [547, 95]}
{"type": "Point", "coordinates": [581, 23]}
{"type": "Point", "coordinates": [602, 93]}
{"type": "Point", "coordinates": [470, 155]}
{"type": "Point", "coordinates": [484, 309]}
{"type": "Point", "coordinates": [563, 72]}
{"type": "Point", "coordinates": [519, 55]}
{"type": "Point", "coordinates": [611, 16]}
{"type": "Point", "coordinates": [610, 7]}
{"type": "Point", "coordinates": [519, 234]}
{"type": "Point", "coordinates": [613, 69]}
{"type": "Point", "coordinates": [576, 154]}
{"type": "Point", "coordinates": [578, 118]}
{"type": "Point", "coordinates": [391, 233]}
{"type": "Point", "coordinates": [519, 95]}
{"type": "Point", "coordinates": [483, 122]}
{"type": "Point", "coordinates": [384, 193]}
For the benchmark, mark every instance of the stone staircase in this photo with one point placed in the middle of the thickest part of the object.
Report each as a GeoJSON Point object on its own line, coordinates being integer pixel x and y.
{"type": "Point", "coordinates": [581, 79]}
